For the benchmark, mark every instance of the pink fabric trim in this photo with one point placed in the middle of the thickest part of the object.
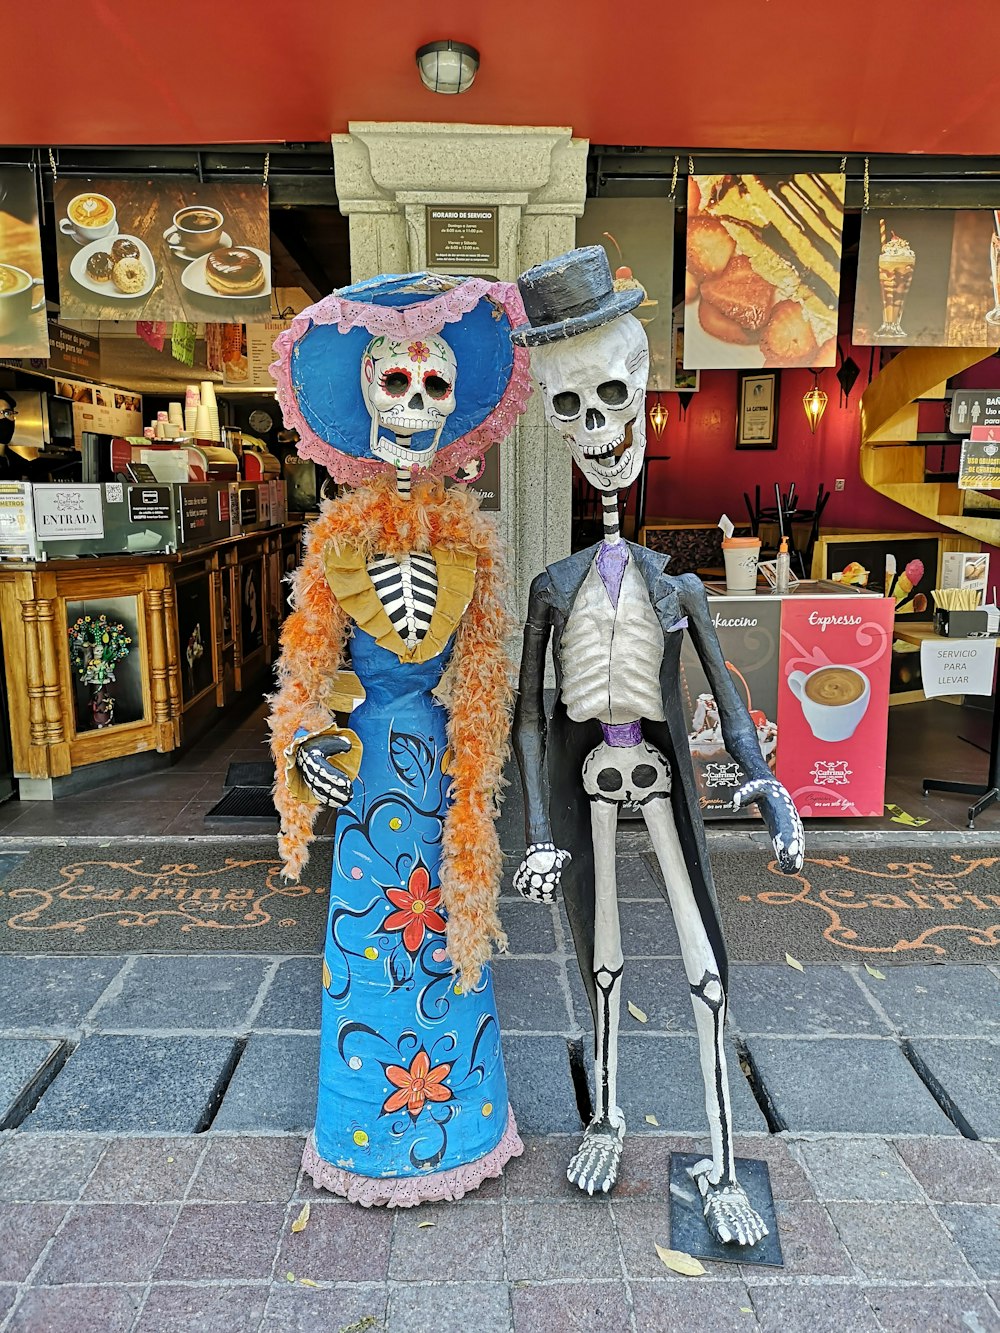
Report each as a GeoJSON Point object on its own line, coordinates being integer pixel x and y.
{"type": "Point", "coordinates": [404, 322]}
{"type": "Point", "coordinates": [408, 1191]}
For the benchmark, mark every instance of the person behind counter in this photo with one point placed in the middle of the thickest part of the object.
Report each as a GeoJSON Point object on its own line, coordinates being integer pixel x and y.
{"type": "Point", "coordinates": [57, 466]}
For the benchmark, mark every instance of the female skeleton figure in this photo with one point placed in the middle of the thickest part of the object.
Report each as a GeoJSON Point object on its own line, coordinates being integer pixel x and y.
{"type": "Point", "coordinates": [617, 732]}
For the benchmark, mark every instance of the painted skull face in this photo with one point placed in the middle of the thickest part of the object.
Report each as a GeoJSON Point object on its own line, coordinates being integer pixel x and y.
{"type": "Point", "coordinates": [409, 388]}
{"type": "Point", "coordinates": [594, 387]}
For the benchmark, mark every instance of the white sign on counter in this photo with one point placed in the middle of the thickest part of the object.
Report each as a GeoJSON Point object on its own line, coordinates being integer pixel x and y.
{"type": "Point", "coordinates": [66, 512]}
{"type": "Point", "coordinates": [957, 666]}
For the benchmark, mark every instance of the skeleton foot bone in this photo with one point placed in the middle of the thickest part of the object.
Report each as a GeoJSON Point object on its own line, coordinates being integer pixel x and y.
{"type": "Point", "coordinates": [729, 1214]}
{"type": "Point", "coordinates": [594, 1166]}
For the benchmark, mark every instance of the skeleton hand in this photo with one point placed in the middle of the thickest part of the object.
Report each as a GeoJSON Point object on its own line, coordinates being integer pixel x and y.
{"type": "Point", "coordinates": [538, 875]}
{"type": "Point", "coordinates": [327, 783]}
{"type": "Point", "coordinates": [780, 816]}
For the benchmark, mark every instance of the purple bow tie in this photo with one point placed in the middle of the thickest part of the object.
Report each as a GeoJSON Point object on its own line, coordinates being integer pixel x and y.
{"type": "Point", "coordinates": [611, 562]}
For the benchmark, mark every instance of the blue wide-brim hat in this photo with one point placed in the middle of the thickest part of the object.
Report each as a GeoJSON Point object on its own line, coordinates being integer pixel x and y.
{"type": "Point", "coordinates": [318, 367]}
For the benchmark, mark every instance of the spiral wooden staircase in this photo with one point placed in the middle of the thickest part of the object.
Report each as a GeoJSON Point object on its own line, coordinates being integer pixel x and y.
{"type": "Point", "coordinates": [892, 459]}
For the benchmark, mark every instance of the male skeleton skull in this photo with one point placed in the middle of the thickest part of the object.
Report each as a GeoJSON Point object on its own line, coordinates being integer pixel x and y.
{"type": "Point", "coordinates": [614, 618]}
{"type": "Point", "coordinates": [594, 391]}
{"type": "Point", "coordinates": [409, 389]}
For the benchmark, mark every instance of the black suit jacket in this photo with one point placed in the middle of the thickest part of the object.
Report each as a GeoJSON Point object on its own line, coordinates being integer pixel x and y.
{"type": "Point", "coordinates": [565, 817]}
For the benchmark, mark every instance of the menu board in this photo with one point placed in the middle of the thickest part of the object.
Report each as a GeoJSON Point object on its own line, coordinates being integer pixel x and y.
{"type": "Point", "coordinates": [23, 328]}
{"type": "Point", "coordinates": [928, 278]}
{"type": "Point", "coordinates": [101, 409]}
{"type": "Point", "coordinates": [762, 272]}
{"type": "Point", "coordinates": [170, 249]}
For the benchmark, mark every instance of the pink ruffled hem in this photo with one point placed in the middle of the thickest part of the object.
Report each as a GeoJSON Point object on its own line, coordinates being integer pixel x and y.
{"type": "Point", "coordinates": [408, 1191]}
{"type": "Point", "coordinates": [404, 322]}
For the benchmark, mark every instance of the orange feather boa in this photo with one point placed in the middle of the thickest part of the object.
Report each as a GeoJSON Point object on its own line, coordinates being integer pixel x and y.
{"type": "Point", "coordinates": [476, 689]}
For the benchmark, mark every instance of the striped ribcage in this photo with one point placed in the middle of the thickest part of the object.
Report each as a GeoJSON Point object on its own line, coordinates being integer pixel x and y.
{"type": "Point", "coordinates": [407, 589]}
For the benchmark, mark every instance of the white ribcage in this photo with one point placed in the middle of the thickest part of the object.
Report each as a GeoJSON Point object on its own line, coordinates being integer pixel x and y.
{"type": "Point", "coordinates": [407, 589]}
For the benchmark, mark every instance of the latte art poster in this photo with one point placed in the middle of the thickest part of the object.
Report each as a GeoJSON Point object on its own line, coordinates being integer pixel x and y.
{"type": "Point", "coordinates": [24, 330]}
{"type": "Point", "coordinates": [170, 249]}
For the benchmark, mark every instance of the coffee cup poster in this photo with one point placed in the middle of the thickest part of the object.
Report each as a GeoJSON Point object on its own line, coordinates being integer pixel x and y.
{"type": "Point", "coordinates": [170, 249]}
{"type": "Point", "coordinates": [928, 278]}
{"type": "Point", "coordinates": [762, 273]}
{"type": "Point", "coordinates": [833, 703]}
{"type": "Point", "coordinates": [23, 327]}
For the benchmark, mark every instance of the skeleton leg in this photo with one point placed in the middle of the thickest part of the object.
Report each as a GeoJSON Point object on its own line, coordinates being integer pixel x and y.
{"type": "Point", "coordinates": [728, 1212]}
{"type": "Point", "coordinates": [595, 1164]}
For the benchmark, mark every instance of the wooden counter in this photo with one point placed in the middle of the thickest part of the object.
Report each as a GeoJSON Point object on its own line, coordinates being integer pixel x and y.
{"type": "Point", "coordinates": [204, 627]}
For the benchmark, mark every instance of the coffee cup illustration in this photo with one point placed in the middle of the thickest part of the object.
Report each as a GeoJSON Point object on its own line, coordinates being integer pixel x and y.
{"type": "Point", "coordinates": [834, 699]}
{"type": "Point", "coordinates": [89, 217]}
{"type": "Point", "coordinates": [18, 297]}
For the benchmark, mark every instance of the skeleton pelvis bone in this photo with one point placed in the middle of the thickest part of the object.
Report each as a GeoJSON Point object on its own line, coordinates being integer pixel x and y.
{"type": "Point", "coordinates": [631, 774]}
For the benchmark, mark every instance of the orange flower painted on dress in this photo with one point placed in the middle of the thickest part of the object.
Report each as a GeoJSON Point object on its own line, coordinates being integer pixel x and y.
{"type": "Point", "coordinates": [416, 909]}
{"type": "Point", "coordinates": [418, 351]}
{"type": "Point", "coordinates": [417, 1085]}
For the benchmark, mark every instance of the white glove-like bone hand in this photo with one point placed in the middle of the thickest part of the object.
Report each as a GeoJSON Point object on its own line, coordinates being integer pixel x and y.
{"type": "Point", "coordinates": [537, 877]}
{"type": "Point", "coordinates": [780, 816]}
{"type": "Point", "coordinates": [327, 783]}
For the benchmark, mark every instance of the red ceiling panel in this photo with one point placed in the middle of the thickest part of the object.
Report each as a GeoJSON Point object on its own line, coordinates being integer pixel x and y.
{"type": "Point", "coordinates": [850, 76]}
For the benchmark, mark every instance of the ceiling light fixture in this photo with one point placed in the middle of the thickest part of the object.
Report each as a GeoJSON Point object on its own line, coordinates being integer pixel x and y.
{"type": "Point", "coordinates": [814, 402]}
{"type": "Point", "coordinates": [658, 417]}
{"type": "Point", "coordinates": [447, 67]}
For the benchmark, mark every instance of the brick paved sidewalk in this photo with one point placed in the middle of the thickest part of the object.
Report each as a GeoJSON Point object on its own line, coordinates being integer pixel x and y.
{"type": "Point", "coordinates": [157, 1105]}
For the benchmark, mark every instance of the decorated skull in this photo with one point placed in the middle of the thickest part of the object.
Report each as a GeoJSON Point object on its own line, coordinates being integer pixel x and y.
{"type": "Point", "coordinates": [409, 389]}
{"type": "Point", "coordinates": [594, 387]}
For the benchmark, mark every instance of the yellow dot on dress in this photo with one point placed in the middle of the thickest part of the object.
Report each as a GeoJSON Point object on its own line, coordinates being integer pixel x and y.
{"type": "Point", "coordinates": [395, 823]}
{"type": "Point", "coordinates": [370, 952]}
{"type": "Point", "coordinates": [458, 988]}
{"type": "Point", "coordinates": [487, 1108]}
{"type": "Point", "coordinates": [361, 1138]}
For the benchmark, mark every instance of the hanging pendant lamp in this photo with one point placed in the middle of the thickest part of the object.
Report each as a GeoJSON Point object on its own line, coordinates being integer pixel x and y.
{"type": "Point", "coordinates": [814, 403]}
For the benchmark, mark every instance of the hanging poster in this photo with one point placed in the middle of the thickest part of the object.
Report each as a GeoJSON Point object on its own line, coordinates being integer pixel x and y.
{"type": "Point", "coordinates": [101, 409]}
{"type": "Point", "coordinates": [928, 278]}
{"type": "Point", "coordinates": [247, 353]}
{"type": "Point", "coordinates": [762, 280]}
{"type": "Point", "coordinates": [638, 235]}
{"type": "Point", "coordinates": [169, 249]}
{"type": "Point", "coordinates": [23, 329]}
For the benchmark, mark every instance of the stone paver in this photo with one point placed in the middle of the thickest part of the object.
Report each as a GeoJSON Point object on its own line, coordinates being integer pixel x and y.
{"type": "Point", "coordinates": [83, 1309]}
{"type": "Point", "coordinates": [26, 1065]}
{"type": "Point", "coordinates": [717, 1307]}
{"type": "Point", "coordinates": [295, 1309]}
{"type": "Point", "coordinates": [845, 1086]}
{"type": "Point", "coordinates": [809, 1244]}
{"type": "Point", "coordinates": [180, 992]}
{"type": "Point", "coordinates": [530, 927]}
{"type": "Point", "coordinates": [530, 996]}
{"type": "Point", "coordinates": [25, 1230]}
{"type": "Point", "coordinates": [294, 997]}
{"type": "Point", "coordinates": [953, 1170]}
{"type": "Point", "coordinates": [784, 1309]}
{"type": "Point", "coordinates": [857, 1169]}
{"type": "Point", "coordinates": [340, 1244]}
{"type": "Point", "coordinates": [932, 1001]}
{"type": "Point", "coordinates": [274, 1087]}
{"type": "Point", "coordinates": [821, 1001]}
{"type": "Point", "coordinates": [465, 1244]}
{"type": "Point", "coordinates": [58, 1170]}
{"type": "Point", "coordinates": [914, 1309]}
{"type": "Point", "coordinates": [251, 1169]}
{"type": "Point", "coordinates": [966, 1075]}
{"type": "Point", "coordinates": [661, 1076]}
{"type": "Point", "coordinates": [560, 1240]}
{"type": "Point", "coordinates": [52, 994]}
{"type": "Point", "coordinates": [104, 1242]}
{"type": "Point", "coordinates": [420, 1307]}
{"type": "Point", "coordinates": [122, 1084]}
{"type": "Point", "coordinates": [173, 1308]}
{"type": "Point", "coordinates": [598, 1307]}
{"type": "Point", "coordinates": [892, 1241]}
{"type": "Point", "coordinates": [221, 1240]}
{"type": "Point", "coordinates": [139, 1170]}
{"type": "Point", "coordinates": [540, 1086]}
{"type": "Point", "coordinates": [659, 987]}
{"type": "Point", "coordinates": [648, 930]}
{"type": "Point", "coordinates": [976, 1228]}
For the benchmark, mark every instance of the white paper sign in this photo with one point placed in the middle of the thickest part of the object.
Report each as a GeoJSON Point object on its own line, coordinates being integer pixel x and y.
{"type": "Point", "coordinates": [65, 513]}
{"type": "Point", "coordinates": [957, 666]}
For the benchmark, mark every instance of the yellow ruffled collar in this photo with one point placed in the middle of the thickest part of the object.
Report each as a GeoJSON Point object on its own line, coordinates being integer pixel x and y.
{"type": "Point", "coordinates": [347, 574]}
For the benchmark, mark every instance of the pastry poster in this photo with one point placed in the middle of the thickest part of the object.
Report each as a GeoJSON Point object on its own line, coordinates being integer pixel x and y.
{"type": "Point", "coordinates": [762, 273]}
{"type": "Point", "coordinates": [169, 249]}
{"type": "Point", "coordinates": [749, 631]}
{"type": "Point", "coordinates": [833, 704]}
{"type": "Point", "coordinates": [928, 278]}
{"type": "Point", "coordinates": [638, 235]}
{"type": "Point", "coordinates": [23, 328]}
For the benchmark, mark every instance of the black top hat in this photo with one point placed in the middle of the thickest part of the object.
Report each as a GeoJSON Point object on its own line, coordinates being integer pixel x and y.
{"type": "Point", "coordinates": [571, 294]}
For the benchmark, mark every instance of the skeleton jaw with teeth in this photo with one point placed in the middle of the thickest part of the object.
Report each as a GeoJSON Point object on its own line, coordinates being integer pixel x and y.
{"type": "Point", "coordinates": [594, 387]}
{"type": "Point", "coordinates": [409, 389]}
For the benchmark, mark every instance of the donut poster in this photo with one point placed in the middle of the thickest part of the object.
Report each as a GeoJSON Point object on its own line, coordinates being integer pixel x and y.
{"type": "Point", "coordinates": [762, 271]}
{"type": "Point", "coordinates": [23, 328]}
{"type": "Point", "coordinates": [171, 249]}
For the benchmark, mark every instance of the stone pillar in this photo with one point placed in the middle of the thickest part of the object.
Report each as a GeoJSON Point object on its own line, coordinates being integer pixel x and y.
{"type": "Point", "coordinates": [387, 175]}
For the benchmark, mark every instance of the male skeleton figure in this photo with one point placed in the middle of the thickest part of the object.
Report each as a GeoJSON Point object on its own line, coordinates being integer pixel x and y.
{"type": "Point", "coordinates": [618, 732]}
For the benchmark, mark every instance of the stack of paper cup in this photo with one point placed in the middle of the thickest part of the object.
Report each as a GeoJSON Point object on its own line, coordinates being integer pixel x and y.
{"type": "Point", "coordinates": [192, 401]}
{"type": "Point", "coordinates": [208, 401]}
{"type": "Point", "coordinates": [203, 424]}
{"type": "Point", "coordinates": [175, 415]}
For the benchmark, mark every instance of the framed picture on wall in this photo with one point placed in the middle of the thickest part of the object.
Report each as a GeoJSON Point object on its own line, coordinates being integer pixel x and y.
{"type": "Point", "coordinates": [757, 410]}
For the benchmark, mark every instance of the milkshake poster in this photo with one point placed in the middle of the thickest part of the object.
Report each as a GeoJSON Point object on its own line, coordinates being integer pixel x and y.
{"type": "Point", "coordinates": [24, 331]}
{"type": "Point", "coordinates": [833, 697]}
{"type": "Point", "coordinates": [928, 278]}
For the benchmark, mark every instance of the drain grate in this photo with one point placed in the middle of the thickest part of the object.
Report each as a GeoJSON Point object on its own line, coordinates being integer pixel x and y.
{"type": "Point", "coordinates": [245, 803]}
{"type": "Point", "coordinates": [259, 773]}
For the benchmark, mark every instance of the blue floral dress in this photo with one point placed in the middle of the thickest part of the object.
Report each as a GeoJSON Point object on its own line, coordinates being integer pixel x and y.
{"type": "Point", "coordinates": [411, 1077]}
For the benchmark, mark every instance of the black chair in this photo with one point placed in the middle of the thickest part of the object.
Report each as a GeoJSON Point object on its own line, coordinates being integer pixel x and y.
{"type": "Point", "coordinates": [785, 514]}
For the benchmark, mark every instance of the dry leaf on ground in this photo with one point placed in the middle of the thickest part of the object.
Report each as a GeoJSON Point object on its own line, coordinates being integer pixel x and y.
{"type": "Point", "coordinates": [307, 1282]}
{"type": "Point", "coordinates": [636, 1012]}
{"type": "Point", "coordinates": [794, 962]}
{"type": "Point", "coordinates": [652, 1120]}
{"type": "Point", "coordinates": [421, 1225]}
{"type": "Point", "coordinates": [874, 972]}
{"type": "Point", "coordinates": [680, 1262]}
{"type": "Point", "coordinates": [300, 1222]}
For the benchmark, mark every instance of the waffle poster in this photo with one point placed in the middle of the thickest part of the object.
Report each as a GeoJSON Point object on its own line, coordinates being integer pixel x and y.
{"type": "Point", "coordinates": [638, 235]}
{"type": "Point", "coordinates": [171, 249]}
{"type": "Point", "coordinates": [762, 273]}
{"type": "Point", "coordinates": [928, 278]}
{"type": "Point", "coordinates": [23, 328]}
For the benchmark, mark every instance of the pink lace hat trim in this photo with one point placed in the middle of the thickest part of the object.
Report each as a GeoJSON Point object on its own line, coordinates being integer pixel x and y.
{"type": "Point", "coordinates": [408, 1191]}
{"type": "Point", "coordinates": [427, 317]}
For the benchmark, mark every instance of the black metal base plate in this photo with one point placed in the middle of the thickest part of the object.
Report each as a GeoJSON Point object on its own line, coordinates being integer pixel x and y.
{"type": "Point", "coordinates": [688, 1231]}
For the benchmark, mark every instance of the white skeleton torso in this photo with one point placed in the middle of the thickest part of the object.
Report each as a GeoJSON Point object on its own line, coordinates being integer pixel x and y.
{"type": "Point", "coordinates": [407, 589]}
{"type": "Point", "coordinates": [610, 655]}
